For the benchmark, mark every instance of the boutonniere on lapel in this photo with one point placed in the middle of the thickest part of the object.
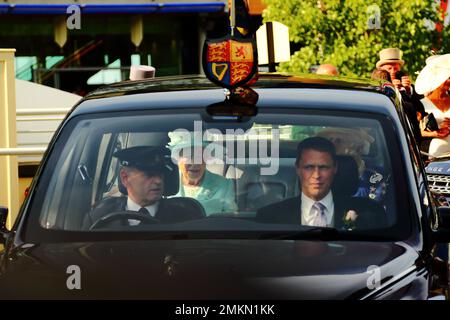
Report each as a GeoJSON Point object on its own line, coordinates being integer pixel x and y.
{"type": "Point", "coordinates": [350, 220]}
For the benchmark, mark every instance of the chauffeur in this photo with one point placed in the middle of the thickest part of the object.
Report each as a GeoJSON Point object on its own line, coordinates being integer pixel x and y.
{"type": "Point", "coordinates": [142, 174]}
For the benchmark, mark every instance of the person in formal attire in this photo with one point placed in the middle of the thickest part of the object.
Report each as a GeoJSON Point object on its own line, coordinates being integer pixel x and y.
{"type": "Point", "coordinates": [142, 175]}
{"type": "Point", "coordinates": [215, 192]}
{"type": "Point", "coordinates": [356, 143]}
{"type": "Point", "coordinates": [317, 205]}
{"type": "Point", "coordinates": [392, 62]}
{"type": "Point", "coordinates": [434, 82]}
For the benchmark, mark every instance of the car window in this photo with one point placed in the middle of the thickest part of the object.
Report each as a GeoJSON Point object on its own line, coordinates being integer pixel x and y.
{"type": "Point", "coordinates": [248, 165]}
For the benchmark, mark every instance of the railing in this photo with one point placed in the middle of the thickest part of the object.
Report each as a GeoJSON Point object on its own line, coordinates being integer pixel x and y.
{"type": "Point", "coordinates": [21, 151]}
{"type": "Point", "coordinates": [42, 74]}
{"type": "Point", "coordinates": [39, 112]}
{"type": "Point", "coordinates": [35, 128]}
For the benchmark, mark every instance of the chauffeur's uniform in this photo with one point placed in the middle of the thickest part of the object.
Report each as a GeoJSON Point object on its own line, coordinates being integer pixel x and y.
{"type": "Point", "coordinates": [152, 161]}
{"type": "Point", "coordinates": [168, 211]}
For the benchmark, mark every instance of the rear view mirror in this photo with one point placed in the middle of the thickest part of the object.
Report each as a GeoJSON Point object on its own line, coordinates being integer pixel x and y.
{"type": "Point", "coordinates": [239, 106]}
{"type": "Point", "coordinates": [223, 113]}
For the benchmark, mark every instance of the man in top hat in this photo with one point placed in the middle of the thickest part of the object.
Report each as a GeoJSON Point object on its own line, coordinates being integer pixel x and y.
{"type": "Point", "coordinates": [391, 61]}
{"type": "Point", "coordinates": [142, 175]}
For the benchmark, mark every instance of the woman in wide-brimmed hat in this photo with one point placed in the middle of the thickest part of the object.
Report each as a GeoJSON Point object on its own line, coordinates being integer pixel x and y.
{"type": "Point", "coordinates": [213, 191]}
{"type": "Point", "coordinates": [434, 82]}
{"type": "Point", "coordinates": [357, 143]}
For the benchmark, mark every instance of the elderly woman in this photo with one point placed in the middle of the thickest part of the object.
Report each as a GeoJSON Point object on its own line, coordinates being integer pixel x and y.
{"type": "Point", "coordinates": [434, 82]}
{"type": "Point", "coordinates": [213, 191]}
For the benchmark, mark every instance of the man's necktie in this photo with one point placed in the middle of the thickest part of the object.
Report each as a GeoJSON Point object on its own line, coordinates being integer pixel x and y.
{"type": "Point", "coordinates": [320, 219]}
{"type": "Point", "coordinates": [144, 211]}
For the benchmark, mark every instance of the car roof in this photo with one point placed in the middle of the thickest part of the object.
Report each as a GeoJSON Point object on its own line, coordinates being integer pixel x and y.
{"type": "Point", "coordinates": [274, 90]}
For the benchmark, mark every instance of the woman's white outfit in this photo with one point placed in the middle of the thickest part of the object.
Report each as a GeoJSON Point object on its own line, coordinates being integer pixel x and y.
{"type": "Point", "coordinates": [438, 146]}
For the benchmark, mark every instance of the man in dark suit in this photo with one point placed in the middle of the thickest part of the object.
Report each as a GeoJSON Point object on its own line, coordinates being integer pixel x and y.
{"type": "Point", "coordinates": [317, 205]}
{"type": "Point", "coordinates": [392, 62]}
{"type": "Point", "coordinates": [142, 174]}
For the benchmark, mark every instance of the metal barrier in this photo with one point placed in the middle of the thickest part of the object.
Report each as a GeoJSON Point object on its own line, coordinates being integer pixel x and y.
{"type": "Point", "coordinates": [54, 116]}
{"type": "Point", "coordinates": [35, 128]}
{"type": "Point", "coordinates": [21, 151]}
{"type": "Point", "coordinates": [9, 195]}
{"type": "Point", "coordinates": [39, 112]}
{"type": "Point", "coordinates": [32, 129]}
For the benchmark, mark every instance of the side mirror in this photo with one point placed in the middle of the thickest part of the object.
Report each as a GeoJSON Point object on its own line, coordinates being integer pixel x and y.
{"type": "Point", "coordinates": [3, 230]}
{"type": "Point", "coordinates": [442, 235]}
{"type": "Point", "coordinates": [3, 218]}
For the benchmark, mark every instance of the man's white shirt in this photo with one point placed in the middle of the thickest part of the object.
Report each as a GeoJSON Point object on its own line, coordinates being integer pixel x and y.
{"type": "Point", "coordinates": [307, 203]}
{"type": "Point", "coordinates": [133, 206]}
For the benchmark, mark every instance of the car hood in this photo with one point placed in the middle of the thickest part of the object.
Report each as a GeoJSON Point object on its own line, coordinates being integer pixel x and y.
{"type": "Point", "coordinates": [204, 269]}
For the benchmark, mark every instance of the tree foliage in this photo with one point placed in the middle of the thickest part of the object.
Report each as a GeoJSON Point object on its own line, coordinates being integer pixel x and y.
{"type": "Point", "coordinates": [338, 32]}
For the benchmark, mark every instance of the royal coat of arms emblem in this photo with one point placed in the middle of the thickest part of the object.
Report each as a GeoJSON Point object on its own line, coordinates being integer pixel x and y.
{"type": "Point", "coordinates": [230, 62]}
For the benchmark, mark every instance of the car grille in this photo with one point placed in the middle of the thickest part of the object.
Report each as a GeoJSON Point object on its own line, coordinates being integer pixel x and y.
{"type": "Point", "coordinates": [439, 183]}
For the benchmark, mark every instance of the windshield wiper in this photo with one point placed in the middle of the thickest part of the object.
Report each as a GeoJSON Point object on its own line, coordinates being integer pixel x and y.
{"type": "Point", "coordinates": [317, 233]}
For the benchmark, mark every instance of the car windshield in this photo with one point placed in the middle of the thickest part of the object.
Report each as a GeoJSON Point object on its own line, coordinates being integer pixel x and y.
{"type": "Point", "coordinates": [163, 172]}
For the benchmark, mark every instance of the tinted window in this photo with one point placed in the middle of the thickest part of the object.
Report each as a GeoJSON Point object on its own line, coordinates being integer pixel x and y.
{"type": "Point", "coordinates": [248, 165]}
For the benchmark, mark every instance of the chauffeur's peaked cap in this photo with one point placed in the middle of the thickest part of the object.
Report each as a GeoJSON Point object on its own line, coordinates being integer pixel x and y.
{"type": "Point", "coordinates": [144, 158]}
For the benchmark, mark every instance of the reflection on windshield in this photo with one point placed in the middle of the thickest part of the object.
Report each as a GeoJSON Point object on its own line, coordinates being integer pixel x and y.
{"type": "Point", "coordinates": [160, 172]}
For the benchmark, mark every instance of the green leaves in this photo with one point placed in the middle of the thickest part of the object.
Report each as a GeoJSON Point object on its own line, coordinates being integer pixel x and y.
{"type": "Point", "coordinates": [339, 32]}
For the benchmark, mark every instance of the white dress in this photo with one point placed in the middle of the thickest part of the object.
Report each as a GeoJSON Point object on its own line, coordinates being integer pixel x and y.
{"type": "Point", "coordinates": [438, 146]}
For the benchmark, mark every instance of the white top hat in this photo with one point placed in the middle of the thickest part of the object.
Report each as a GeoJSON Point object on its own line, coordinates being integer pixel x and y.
{"type": "Point", "coordinates": [435, 73]}
{"type": "Point", "coordinates": [390, 55]}
{"type": "Point", "coordinates": [141, 72]}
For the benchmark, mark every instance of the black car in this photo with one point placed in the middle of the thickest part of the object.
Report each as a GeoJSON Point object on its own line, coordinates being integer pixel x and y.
{"type": "Point", "coordinates": [224, 252]}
